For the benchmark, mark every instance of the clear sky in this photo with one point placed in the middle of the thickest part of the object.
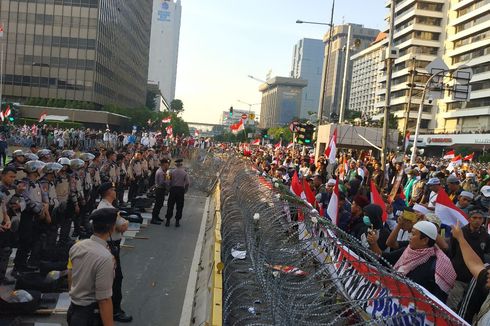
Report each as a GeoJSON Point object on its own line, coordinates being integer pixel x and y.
{"type": "Point", "coordinates": [224, 41]}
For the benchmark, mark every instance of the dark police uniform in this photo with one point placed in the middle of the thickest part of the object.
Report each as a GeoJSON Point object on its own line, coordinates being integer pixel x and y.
{"type": "Point", "coordinates": [161, 184]}
{"type": "Point", "coordinates": [179, 184]}
{"type": "Point", "coordinates": [92, 267]}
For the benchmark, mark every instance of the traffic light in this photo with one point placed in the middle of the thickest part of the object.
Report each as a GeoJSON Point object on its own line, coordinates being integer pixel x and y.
{"type": "Point", "coordinates": [231, 111]}
{"type": "Point", "coordinates": [11, 119]}
{"type": "Point", "coordinates": [306, 133]}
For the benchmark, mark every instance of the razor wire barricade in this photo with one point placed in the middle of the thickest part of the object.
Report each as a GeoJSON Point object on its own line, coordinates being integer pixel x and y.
{"type": "Point", "coordinates": [285, 265]}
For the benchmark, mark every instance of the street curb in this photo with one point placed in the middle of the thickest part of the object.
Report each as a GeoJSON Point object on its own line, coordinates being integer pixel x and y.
{"type": "Point", "coordinates": [187, 307]}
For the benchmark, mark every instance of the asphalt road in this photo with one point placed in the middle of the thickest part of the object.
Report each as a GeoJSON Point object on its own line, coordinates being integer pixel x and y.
{"type": "Point", "coordinates": [155, 271]}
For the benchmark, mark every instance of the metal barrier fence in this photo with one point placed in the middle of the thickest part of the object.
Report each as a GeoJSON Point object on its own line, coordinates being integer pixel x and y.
{"type": "Point", "coordinates": [281, 269]}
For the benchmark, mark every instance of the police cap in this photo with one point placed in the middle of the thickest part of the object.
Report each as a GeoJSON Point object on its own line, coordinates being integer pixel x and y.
{"type": "Point", "coordinates": [164, 160]}
{"type": "Point", "coordinates": [179, 161]}
{"type": "Point", "coordinates": [106, 186]}
{"type": "Point", "coordinates": [104, 216]}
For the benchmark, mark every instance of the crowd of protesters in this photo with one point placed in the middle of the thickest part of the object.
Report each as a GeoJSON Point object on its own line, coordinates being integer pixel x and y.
{"type": "Point", "coordinates": [49, 190]}
{"type": "Point", "coordinates": [448, 259]}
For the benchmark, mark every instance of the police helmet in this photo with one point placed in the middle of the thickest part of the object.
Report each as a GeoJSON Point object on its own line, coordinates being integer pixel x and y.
{"type": "Point", "coordinates": [87, 157]}
{"type": "Point", "coordinates": [77, 164]}
{"type": "Point", "coordinates": [18, 152]}
{"type": "Point", "coordinates": [43, 153]}
{"type": "Point", "coordinates": [52, 167]}
{"type": "Point", "coordinates": [63, 161]}
{"type": "Point", "coordinates": [31, 157]}
{"type": "Point", "coordinates": [33, 166]}
{"type": "Point", "coordinates": [68, 153]}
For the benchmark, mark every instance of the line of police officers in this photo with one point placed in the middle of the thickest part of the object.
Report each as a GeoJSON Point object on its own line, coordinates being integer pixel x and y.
{"type": "Point", "coordinates": [41, 198]}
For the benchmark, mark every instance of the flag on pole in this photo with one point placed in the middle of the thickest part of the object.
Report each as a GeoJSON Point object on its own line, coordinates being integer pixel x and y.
{"type": "Point", "coordinates": [378, 200]}
{"type": "Point", "coordinates": [237, 127]}
{"type": "Point", "coordinates": [447, 211]}
{"type": "Point", "coordinates": [449, 155]}
{"type": "Point", "coordinates": [291, 144]}
{"type": "Point", "coordinates": [196, 133]}
{"type": "Point", "coordinates": [169, 131]}
{"type": "Point", "coordinates": [278, 145]}
{"type": "Point", "coordinates": [310, 196]}
{"type": "Point", "coordinates": [458, 160]}
{"type": "Point", "coordinates": [331, 150]}
{"type": "Point", "coordinates": [469, 157]}
{"type": "Point", "coordinates": [8, 112]}
{"type": "Point", "coordinates": [1, 30]}
{"type": "Point", "coordinates": [296, 186]}
{"type": "Point", "coordinates": [43, 116]}
{"type": "Point", "coordinates": [256, 142]}
{"type": "Point", "coordinates": [333, 204]}
{"type": "Point", "coordinates": [166, 120]}
{"type": "Point", "coordinates": [407, 140]}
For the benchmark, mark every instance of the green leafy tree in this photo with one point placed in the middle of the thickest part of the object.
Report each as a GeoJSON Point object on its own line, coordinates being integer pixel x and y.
{"type": "Point", "coordinates": [281, 132]}
{"type": "Point", "coordinates": [177, 106]}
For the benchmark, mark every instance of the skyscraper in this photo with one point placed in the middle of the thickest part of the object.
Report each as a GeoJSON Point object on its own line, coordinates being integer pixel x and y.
{"type": "Point", "coordinates": [164, 46]}
{"type": "Point", "coordinates": [89, 50]}
{"type": "Point", "coordinates": [307, 65]}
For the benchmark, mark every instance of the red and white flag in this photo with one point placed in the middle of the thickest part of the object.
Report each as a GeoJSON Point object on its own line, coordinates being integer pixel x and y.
{"type": "Point", "coordinates": [7, 111]}
{"type": "Point", "coordinates": [296, 186]}
{"type": "Point", "coordinates": [237, 127]}
{"type": "Point", "coordinates": [278, 145]}
{"type": "Point", "coordinates": [447, 211]}
{"type": "Point", "coordinates": [469, 157]}
{"type": "Point", "coordinates": [196, 133]}
{"type": "Point", "coordinates": [331, 151]}
{"type": "Point", "coordinates": [1, 30]}
{"type": "Point", "coordinates": [291, 144]}
{"type": "Point", "coordinates": [309, 195]}
{"type": "Point", "coordinates": [407, 140]}
{"type": "Point", "coordinates": [256, 142]}
{"type": "Point", "coordinates": [169, 131]}
{"type": "Point", "coordinates": [449, 155]}
{"type": "Point", "coordinates": [43, 116]}
{"type": "Point", "coordinates": [333, 204]}
{"type": "Point", "coordinates": [378, 200]}
{"type": "Point", "coordinates": [167, 120]}
{"type": "Point", "coordinates": [458, 160]}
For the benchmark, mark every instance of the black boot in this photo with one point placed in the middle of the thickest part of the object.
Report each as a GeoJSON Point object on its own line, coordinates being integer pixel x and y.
{"type": "Point", "coordinates": [177, 223]}
{"type": "Point", "coordinates": [168, 222]}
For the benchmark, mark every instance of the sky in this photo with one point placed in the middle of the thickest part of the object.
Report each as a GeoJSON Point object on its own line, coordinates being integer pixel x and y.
{"type": "Point", "coordinates": [224, 41]}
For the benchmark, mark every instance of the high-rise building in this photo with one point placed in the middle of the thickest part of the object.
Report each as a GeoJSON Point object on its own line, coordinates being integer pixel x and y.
{"type": "Point", "coordinates": [365, 81]}
{"type": "Point", "coordinates": [307, 65]}
{"type": "Point", "coordinates": [359, 39]}
{"type": "Point", "coordinates": [164, 47]}
{"type": "Point", "coordinates": [88, 50]}
{"type": "Point", "coordinates": [281, 101]}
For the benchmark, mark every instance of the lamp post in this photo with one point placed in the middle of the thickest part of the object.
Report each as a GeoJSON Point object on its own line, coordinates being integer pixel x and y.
{"type": "Point", "coordinates": [326, 63]}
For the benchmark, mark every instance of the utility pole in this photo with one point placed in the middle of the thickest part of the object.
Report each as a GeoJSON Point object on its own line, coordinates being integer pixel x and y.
{"type": "Point", "coordinates": [1, 67]}
{"type": "Point", "coordinates": [390, 58]}
{"type": "Point", "coordinates": [326, 63]}
{"type": "Point", "coordinates": [343, 98]}
{"type": "Point", "coordinates": [413, 72]}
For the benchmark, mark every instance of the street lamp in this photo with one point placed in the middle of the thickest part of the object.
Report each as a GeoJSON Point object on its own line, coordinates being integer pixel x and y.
{"type": "Point", "coordinates": [326, 62]}
{"type": "Point", "coordinates": [249, 105]}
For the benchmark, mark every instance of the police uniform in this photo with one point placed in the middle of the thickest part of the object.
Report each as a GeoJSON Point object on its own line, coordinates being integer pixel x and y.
{"type": "Point", "coordinates": [5, 236]}
{"type": "Point", "coordinates": [115, 245]}
{"type": "Point", "coordinates": [161, 185]}
{"type": "Point", "coordinates": [179, 184]}
{"type": "Point", "coordinates": [51, 198]}
{"type": "Point", "coordinates": [92, 268]}
{"type": "Point", "coordinates": [62, 218]}
{"type": "Point", "coordinates": [135, 173]}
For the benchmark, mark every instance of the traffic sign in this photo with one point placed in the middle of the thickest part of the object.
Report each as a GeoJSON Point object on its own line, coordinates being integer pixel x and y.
{"type": "Point", "coordinates": [244, 116]}
{"type": "Point", "coordinates": [252, 116]}
{"type": "Point", "coordinates": [293, 126]}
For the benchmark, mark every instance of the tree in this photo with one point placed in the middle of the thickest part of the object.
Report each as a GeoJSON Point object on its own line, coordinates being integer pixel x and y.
{"type": "Point", "coordinates": [281, 132]}
{"type": "Point", "coordinates": [177, 106]}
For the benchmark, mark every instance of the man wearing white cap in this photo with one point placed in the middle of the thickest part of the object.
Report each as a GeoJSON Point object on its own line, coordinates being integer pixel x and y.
{"type": "Point", "coordinates": [464, 201]}
{"type": "Point", "coordinates": [469, 183]}
{"type": "Point", "coordinates": [425, 263]}
{"type": "Point", "coordinates": [434, 185]}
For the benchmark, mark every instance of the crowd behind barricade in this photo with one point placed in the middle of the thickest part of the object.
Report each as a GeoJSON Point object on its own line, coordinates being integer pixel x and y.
{"type": "Point", "coordinates": [417, 234]}
{"type": "Point", "coordinates": [47, 194]}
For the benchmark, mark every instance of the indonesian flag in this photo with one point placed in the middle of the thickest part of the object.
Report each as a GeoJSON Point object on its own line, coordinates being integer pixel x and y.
{"type": "Point", "coordinates": [296, 186]}
{"type": "Point", "coordinates": [43, 116]}
{"type": "Point", "coordinates": [291, 144]}
{"type": "Point", "coordinates": [333, 204]}
{"type": "Point", "coordinates": [256, 142]}
{"type": "Point", "coordinates": [407, 140]}
{"type": "Point", "coordinates": [447, 211]}
{"type": "Point", "coordinates": [7, 111]}
{"type": "Point", "coordinates": [310, 196]}
{"type": "Point", "coordinates": [458, 160]}
{"type": "Point", "coordinates": [196, 133]}
{"type": "Point", "coordinates": [469, 157]}
{"type": "Point", "coordinates": [378, 200]}
{"type": "Point", "coordinates": [167, 120]}
{"type": "Point", "coordinates": [278, 145]}
{"type": "Point", "coordinates": [169, 131]}
{"type": "Point", "coordinates": [331, 150]}
{"type": "Point", "coordinates": [449, 155]}
{"type": "Point", "coordinates": [1, 30]}
{"type": "Point", "coordinates": [237, 127]}
{"type": "Point", "coordinates": [2, 117]}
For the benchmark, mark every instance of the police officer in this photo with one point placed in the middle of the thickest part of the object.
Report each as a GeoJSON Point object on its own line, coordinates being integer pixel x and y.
{"type": "Point", "coordinates": [87, 185]}
{"type": "Point", "coordinates": [36, 212]}
{"type": "Point", "coordinates": [48, 186]}
{"type": "Point", "coordinates": [121, 185]}
{"type": "Point", "coordinates": [179, 184]}
{"type": "Point", "coordinates": [108, 194]}
{"type": "Point", "coordinates": [161, 184]}
{"type": "Point", "coordinates": [63, 192]}
{"type": "Point", "coordinates": [135, 174]}
{"type": "Point", "coordinates": [6, 186]}
{"type": "Point", "coordinates": [17, 163]}
{"type": "Point", "coordinates": [78, 197]}
{"type": "Point", "coordinates": [91, 267]}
